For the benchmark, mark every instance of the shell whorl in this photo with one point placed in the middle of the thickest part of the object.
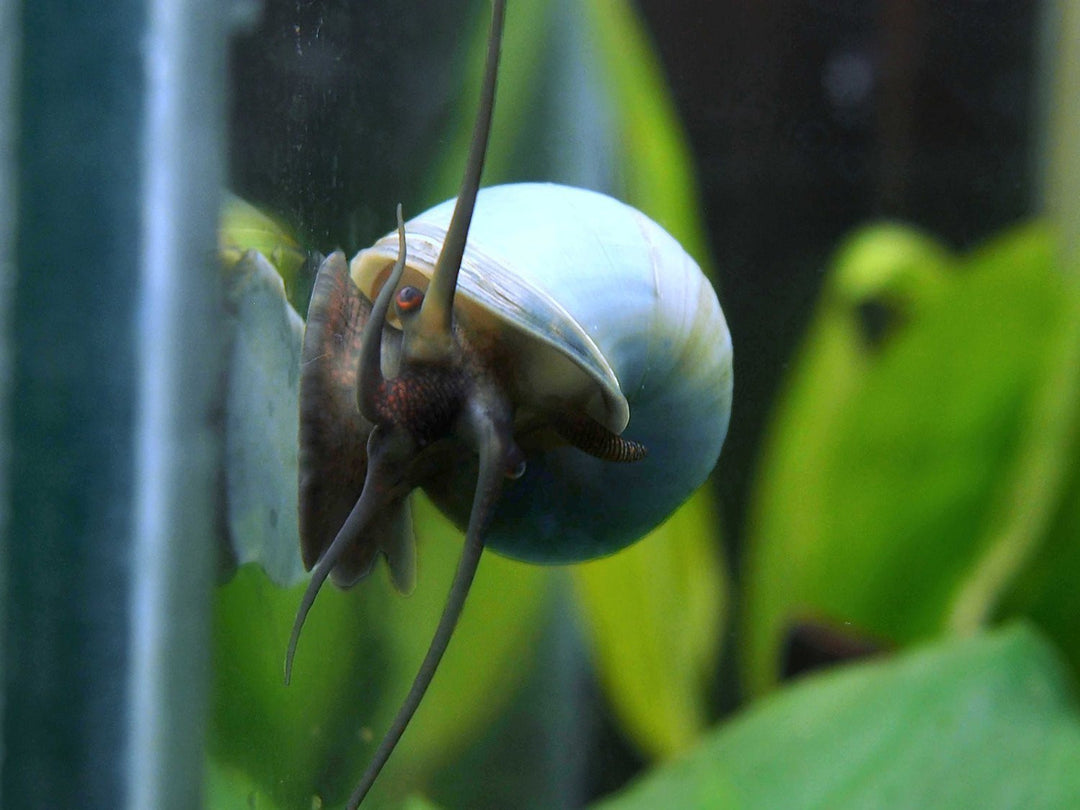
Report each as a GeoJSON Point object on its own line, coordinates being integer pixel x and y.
{"type": "Point", "coordinates": [604, 313]}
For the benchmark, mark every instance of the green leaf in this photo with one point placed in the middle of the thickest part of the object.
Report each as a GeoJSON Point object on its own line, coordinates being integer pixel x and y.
{"type": "Point", "coordinates": [987, 722]}
{"type": "Point", "coordinates": [1035, 514]}
{"type": "Point", "coordinates": [653, 166]}
{"type": "Point", "coordinates": [356, 658]}
{"type": "Point", "coordinates": [284, 739]}
{"type": "Point", "coordinates": [926, 489]}
{"type": "Point", "coordinates": [230, 788]}
{"type": "Point", "coordinates": [1045, 589]}
{"type": "Point", "coordinates": [890, 267]}
{"type": "Point", "coordinates": [654, 614]}
{"type": "Point", "coordinates": [243, 227]}
{"type": "Point", "coordinates": [489, 658]}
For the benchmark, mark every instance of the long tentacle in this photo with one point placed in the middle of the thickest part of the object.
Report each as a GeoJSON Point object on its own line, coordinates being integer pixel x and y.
{"type": "Point", "coordinates": [495, 445]}
{"type": "Point", "coordinates": [372, 499]}
{"type": "Point", "coordinates": [370, 376]}
{"type": "Point", "coordinates": [434, 335]}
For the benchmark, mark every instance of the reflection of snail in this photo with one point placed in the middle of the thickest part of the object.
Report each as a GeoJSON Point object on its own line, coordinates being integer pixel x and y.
{"type": "Point", "coordinates": [575, 317]}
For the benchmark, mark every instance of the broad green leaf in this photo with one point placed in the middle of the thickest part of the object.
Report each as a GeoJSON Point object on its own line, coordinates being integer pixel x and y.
{"type": "Point", "coordinates": [356, 659]}
{"type": "Point", "coordinates": [887, 269]}
{"type": "Point", "coordinates": [654, 614]}
{"type": "Point", "coordinates": [1035, 515]}
{"type": "Point", "coordinates": [492, 649]}
{"type": "Point", "coordinates": [1046, 589]}
{"type": "Point", "coordinates": [286, 739]}
{"type": "Point", "coordinates": [262, 388]}
{"type": "Point", "coordinates": [988, 722]}
{"type": "Point", "coordinates": [652, 164]}
{"type": "Point", "coordinates": [930, 489]}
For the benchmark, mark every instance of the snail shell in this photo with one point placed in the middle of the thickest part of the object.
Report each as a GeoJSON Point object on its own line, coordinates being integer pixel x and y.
{"type": "Point", "coordinates": [597, 310]}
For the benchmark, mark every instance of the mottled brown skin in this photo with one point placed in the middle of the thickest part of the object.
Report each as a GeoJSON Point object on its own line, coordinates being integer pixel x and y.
{"type": "Point", "coordinates": [333, 433]}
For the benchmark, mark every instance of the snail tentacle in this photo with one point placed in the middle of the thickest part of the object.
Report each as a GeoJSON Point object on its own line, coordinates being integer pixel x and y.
{"type": "Point", "coordinates": [370, 378]}
{"type": "Point", "coordinates": [384, 488]}
{"type": "Point", "coordinates": [434, 339]}
{"type": "Point", "coordinates": [488, 419]}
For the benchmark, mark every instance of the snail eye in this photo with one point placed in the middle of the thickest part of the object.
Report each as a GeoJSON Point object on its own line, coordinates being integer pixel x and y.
{"type": "Point", "coordinates": [408, 299]}
{"type": "Point", "coordinates": [515, 465]}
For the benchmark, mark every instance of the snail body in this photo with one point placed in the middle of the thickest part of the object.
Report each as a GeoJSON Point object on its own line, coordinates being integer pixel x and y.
{"type": "Point", "coordinates": [598, 310]}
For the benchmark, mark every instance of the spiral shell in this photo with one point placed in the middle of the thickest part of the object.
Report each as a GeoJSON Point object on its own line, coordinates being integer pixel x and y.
{"type": "Point", "coordinates": [601, 312]}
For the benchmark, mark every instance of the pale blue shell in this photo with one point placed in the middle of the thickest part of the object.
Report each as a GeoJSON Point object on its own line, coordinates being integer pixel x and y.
{"type": "Point", "coordinates": [607, 313]}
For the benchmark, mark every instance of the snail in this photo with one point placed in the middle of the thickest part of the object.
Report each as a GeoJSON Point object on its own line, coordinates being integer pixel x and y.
{"type": "Point", "coordinates": [546, 362]}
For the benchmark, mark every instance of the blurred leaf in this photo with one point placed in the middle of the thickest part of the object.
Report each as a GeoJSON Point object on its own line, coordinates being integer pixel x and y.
{"type": "Point", "coordinates": [1046, 589]}
{"type": "Point", "coordinates": [261, 407]}
{"type": "Point", "coordinates": [985, 722]}
{"type": "Point", "coordinates": [653, 166]}
{"type": "Point", "coordinates": [233, 789]}
{"type": "Point", "coordinates": [418, 803]}
{"type": "Point", "coordinates": [888, 267]}
{"type": "Point", "coordinates": [1035, 513]}
{"type": "Point", "coordinates": [925, 490]}
{"type": "Point", "coordinates": [356, 659]}
{"type": "Point", "coordinates": [654, 614]}
{"type": "Point", "coordinates": [243, 227]}
{"type": "Point", "coordinates": [288, 740]}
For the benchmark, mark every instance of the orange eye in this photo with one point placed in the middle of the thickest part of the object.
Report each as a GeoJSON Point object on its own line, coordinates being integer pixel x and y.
{"type": "Point", "coordinates": [409, 299]}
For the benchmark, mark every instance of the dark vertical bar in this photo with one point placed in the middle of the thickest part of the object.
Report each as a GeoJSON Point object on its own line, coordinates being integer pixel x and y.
{"type": "Point", "coordinates": [68, 540]}
{"type": "Point", "coordinates": [113, 310]}
{"type": "Point", "coordinates": [9, 51]}
{"type": "Point", "coordinates": [903, 42]}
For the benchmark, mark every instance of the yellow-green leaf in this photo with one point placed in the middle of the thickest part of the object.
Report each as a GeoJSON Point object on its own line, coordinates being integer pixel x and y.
{"type": "Point", "coordinates": [906, 492]}
{"type": "Point", "coordinates": [654, 614]}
